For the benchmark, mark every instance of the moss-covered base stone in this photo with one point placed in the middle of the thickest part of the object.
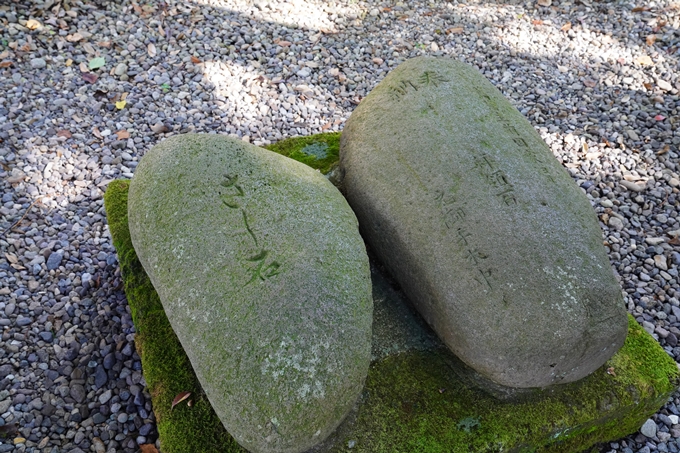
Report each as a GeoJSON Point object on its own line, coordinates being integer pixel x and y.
{"type": "Point", "coordinates": [412, 402]}
{"type": "Point", "coordinates": [264, 277]}
{"type": "Point", "coordinates": [486, 233]}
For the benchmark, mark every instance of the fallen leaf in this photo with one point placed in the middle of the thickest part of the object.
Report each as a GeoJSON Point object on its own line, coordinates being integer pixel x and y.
{"type": "Point", "coordinates": [122, 134]}
{"type": "Point", "coordinates": [12, 258]}
{"type": "Point", "coordinates": [151, 50]}
{"type": "Point", "coordinates": [75, 37]}
{"type": "Point", "coordinates": [32, 24]}
{"type": "Point", "coordinates": [647, 85]}
{"type": "Point", "coordinates": [644, 60]}
{"type": "Point", "coordinates": [64, 133]}
{"type": "Point", "coordinates": [610, 371]}
{"type": "Point", "coordinates": [148, 448]}
{"type": "Point", "coordinates": [123, 96]}
{"type": "Point", "coordinates": [545, 2]}
{"type": "Point", "coordinates": [8, 429]}
{"type": "Point", "coordinates": [88, 48]}
{"type": "Point", "coordinates": [326, 126]}
{"type": "Point", "coordinates": [89, 77]}
{"type": "Point", "coordinates": [455, 30]}
{"type": "Point", "coordinates": [650, 40]}
{"type": "Point", "coordinates": [659, 26]}
{"type": "Point", "coordinates": [639, 9]}
{"type": "Point", "coordinates": [25, 48]}
{"type": "Point", "coordinates": [104, 44]}
{"type": "Point", "coordinates": [120, 105]}
{"type": "Point", "coordinates": [663, 150]}
{"type": "Point", "coordinates": [68, 63]}
{"type": "Point", "coordinates": [283, 43]}
{"type": "Point", "coordinates": [161, 31]}
{"type": "Point", "coordinates": [659, 117]}
{"type": "Point", "coordinates": [566, 27]}
{"type": "Point", "coordinates": [158, 128]}
{"type": "Point", "coordinates": [6, 63]}
{"type": "Point", "coordinates": [179, 398]}
{"type": "Point", "coordinates": [537, 22]}
{"type": "Point", "coordinates": [195, 60]}
{"type": "Point", "coordinates": [675, 241]}
{"type": "Point", "coordinates": [590, 83]}
{"type": "Point", "coordinates": [96, 63]}
{"type": "Point", "coordinates": [99, 95]}
{"type": "Point", "coordinates": [96, 132]}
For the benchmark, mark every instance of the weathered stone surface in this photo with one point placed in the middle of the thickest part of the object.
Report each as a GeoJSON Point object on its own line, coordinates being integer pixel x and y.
{"type": "Point", "coordinates": [261, 270]}
{"type": "Point", "coordinates": [411, 400]}
{"type": "Point", "coordinates": [485, 232]}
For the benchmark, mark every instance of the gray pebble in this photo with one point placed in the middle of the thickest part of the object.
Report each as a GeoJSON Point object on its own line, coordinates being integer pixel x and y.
{"type": "Point", "coordinates": [100, 377]}
{"type": "Point", "coordinates": [631, 186]}
{"type": "Point", "coordinates": [38, 63]}
{"type": "Point", "coordinates": [109, 361]}
{"type": "Point", "coordinates": [23, 321]}
{"type": "Point", "coordinates": [78, 393]}
{"type": "Point", "coordinates": [54, 260]}
{"type": "Point", "coordinates": [649, 428]}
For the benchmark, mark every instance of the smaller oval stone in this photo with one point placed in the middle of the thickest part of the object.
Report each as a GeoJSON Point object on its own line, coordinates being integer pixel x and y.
{"type": "Point", "coordinates": [264, 277]}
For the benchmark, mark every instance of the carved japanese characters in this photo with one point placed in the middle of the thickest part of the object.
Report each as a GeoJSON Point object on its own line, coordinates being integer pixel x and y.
{"type": "Point", "coordinates": [488, 236]}
{"type": "Point", "coordinates": [260, 268]}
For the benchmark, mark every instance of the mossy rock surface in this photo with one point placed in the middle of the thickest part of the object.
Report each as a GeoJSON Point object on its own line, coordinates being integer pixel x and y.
{"type": "Point", "coordinates": [484, 230]}
{"type": "Point", "coordinates": [413, 401]}
{"type": "Point", "coordinates": [263, 275]}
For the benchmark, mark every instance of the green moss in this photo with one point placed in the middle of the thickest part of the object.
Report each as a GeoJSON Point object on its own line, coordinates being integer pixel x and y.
{"type": "Point", "coordinates": [318, 151]}
{"type": "Point", "coordinates": [166, 367]}
{"type": "Point", "coordinates": [412, 400]}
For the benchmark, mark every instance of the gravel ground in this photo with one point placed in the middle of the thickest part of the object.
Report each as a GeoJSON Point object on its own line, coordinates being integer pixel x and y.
{"type": "Point", "coordinates": [598, 80]}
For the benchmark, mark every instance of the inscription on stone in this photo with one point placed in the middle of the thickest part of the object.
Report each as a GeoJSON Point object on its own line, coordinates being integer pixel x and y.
{"type": "Point", "coordinates": [428, 78]}
{"type": "Point", "coordinates": [454, 215]}
{"type": "Point", "coordinates": [259, 270]}
{"type": "Point", "coordinates": [489, 169]}
{"type": "Point", "coordinates": [513, 133]}
{"type": "Point", "coordinates": [483, 211]}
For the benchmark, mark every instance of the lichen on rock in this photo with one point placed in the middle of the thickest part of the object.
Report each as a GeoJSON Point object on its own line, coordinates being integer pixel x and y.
{"type": "Point", "coordinates": [487, 235]}
{"type": "Point", "coordinates": [262, 273]}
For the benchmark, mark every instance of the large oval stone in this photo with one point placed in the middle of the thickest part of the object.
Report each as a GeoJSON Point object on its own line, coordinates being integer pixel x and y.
{"type": "Point", "coordinates": [260, 268]}
{"type": "Point", "coordinates": [486, 233]}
